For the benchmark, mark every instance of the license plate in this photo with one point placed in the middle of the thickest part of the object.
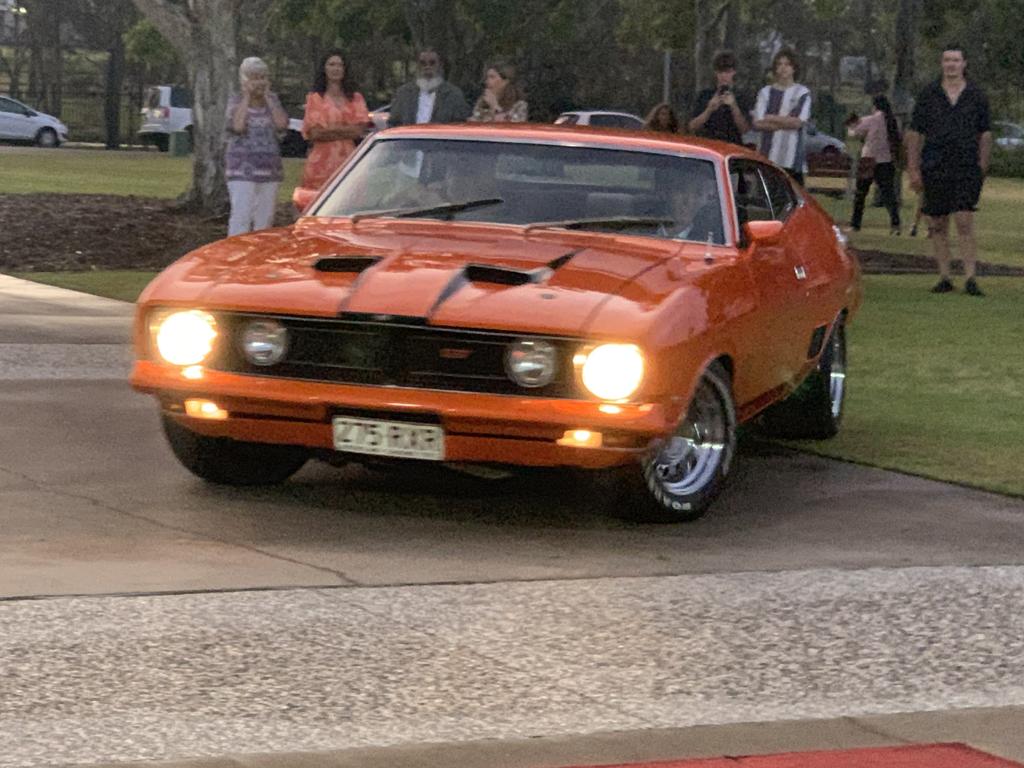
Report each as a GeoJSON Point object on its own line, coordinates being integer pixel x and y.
{"type": "Point", "coordinates": [389, 438]}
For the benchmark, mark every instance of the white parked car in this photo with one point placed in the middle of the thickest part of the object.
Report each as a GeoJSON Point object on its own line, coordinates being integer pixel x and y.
{"type": "Point", "coordinates": [1008, 135]}
{"type": "Point", "coordinates": [168, 108]}
{"type": "Point", "coordinates": [19, 122]}
{"type": "Point", "coordinates": [817, 143]}
{"type": "Point", "coordinates": [600, 119]}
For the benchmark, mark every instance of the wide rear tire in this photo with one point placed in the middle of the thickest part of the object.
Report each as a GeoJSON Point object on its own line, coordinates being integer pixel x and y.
{"type": "Point", "coordinates": [815, 410]}
{"type": "Point", "coordinates": [232, 462]}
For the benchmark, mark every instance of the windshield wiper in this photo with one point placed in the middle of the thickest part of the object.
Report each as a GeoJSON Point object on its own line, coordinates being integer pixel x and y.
{"type": "Point", "coordinates": [608, 222]}
{"type": "Point", "coordinates": [448, 208]}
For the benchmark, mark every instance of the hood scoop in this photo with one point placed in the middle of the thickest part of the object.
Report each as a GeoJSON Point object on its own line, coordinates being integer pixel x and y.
{"type": "Point", "coordinates": [487, 273]}
{"type": "Point", "coordinates": [349, 264]}
{"type": "Point", "coordinates": [496, 275]}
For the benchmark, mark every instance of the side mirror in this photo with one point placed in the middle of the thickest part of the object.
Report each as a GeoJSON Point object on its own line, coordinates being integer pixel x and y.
{"type": "Point", "coordinates": [30, 113]}
{"type": "Point", "coordinates": [763, 232]}
{"type": "Point", "coordinates": [302, 197]}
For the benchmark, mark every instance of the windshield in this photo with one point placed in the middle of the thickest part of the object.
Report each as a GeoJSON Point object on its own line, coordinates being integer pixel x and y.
{"type": "Point", "coordinates": [642, 193]}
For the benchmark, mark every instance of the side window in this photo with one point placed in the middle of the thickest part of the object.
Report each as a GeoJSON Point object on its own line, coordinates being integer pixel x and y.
{"type": "Point", "coordinates": [752, 203]}
{"type": "Point", "coordinates": [780, 193]}
{"type": "Point", "coordinates": [612, 121]}
{"type": "Point", "coordinates": [9, 106]}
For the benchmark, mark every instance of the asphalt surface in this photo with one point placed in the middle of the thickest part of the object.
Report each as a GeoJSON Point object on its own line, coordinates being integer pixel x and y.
{"type": "Point", "coordinates": [356, 618]}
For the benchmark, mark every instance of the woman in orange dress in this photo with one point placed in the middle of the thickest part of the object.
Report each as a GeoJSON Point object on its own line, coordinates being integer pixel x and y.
{"type": "Point", "coordinates": [336, 116]}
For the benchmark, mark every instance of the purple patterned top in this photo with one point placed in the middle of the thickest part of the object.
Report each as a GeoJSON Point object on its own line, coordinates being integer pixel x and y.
{"type": "Point", "coordinates": [256, 154]}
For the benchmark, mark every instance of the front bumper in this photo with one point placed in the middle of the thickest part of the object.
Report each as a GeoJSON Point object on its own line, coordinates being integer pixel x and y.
{"type": "Point", "coordinates": [479, 428]}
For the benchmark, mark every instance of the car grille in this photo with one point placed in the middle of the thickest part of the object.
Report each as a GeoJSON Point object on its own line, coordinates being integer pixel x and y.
{"type": "Point", "coordinates": [402, 353]}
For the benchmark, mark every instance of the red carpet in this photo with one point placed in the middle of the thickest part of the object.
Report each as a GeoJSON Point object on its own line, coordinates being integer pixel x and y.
{"type": "Point", "coordinates": [914, 756]}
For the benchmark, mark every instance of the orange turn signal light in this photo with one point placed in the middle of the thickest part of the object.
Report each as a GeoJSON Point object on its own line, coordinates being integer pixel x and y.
{"type": "Point", "coordinates": [204, 409]}
{"type": "Point", "coordinates": [580, 438]}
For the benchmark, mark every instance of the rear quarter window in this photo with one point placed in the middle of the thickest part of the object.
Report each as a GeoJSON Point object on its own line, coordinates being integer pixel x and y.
{"type": "Point", "coordinates": [181, 97]}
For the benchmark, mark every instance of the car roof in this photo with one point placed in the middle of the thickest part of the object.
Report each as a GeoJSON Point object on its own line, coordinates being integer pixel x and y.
{"type": "Point", "coordinates": [599, 112]}
{"type": "Point", "coordinates": [606, 138]}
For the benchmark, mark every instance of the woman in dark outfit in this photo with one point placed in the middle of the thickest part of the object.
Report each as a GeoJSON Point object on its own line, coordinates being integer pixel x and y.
{"type": "Point", "coordinates": [881, 137]}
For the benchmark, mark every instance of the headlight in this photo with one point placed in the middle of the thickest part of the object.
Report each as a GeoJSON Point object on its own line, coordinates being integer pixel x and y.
{"type": "Point", "coordinates": [264, 342]}
{"type": "Point", "coordinates": [531, 363]}
{"type": "Point", "coordinates": [613, 371]}
{"type": "Point", "coordinates": [186, 338]}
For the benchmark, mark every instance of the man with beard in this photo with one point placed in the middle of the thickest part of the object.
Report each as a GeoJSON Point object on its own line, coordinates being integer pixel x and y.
{"type": "Point", "coordinates": [430, 98]}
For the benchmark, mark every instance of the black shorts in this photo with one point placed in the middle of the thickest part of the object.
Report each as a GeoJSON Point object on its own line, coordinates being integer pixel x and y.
{"type": "Point", "coordinates": [948, 194]}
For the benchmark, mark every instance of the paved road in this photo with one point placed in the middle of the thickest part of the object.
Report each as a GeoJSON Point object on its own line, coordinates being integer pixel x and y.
{"type": "Point", "coordinates": [380, 610]}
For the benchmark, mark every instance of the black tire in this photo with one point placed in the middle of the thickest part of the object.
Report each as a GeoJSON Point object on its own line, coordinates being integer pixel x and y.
{"type": "Point", "coordinates": [828, 149]}
{"type": "Point", "coordinates": [161, 141]}
{"type": "Point", "coordinates": [232, 462]}
{"type": "Point", "coordinates": [815, 410]}
{"type": "Point", "coordinates": [47, 137]}
{"type": "Point", "coordinates": [682, 475]}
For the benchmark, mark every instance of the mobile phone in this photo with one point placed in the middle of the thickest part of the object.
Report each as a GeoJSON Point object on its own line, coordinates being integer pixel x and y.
{"type": "Point", "coordinates": [723, 89]}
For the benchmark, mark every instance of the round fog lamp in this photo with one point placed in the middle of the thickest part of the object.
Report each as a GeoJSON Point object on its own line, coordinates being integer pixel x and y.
{"type": "Point", "coordinates": [264, 342]}
{"type": "Point", "coordinates": [531, 364]}
{"type": "Point", "coordinates": [613, 371]}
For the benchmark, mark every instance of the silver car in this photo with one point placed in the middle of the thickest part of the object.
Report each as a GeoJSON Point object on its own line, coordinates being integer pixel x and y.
{"type": "Point", "coordinates": [1008, 135]}
{"type": "Point", "coordinates": [19, 122]}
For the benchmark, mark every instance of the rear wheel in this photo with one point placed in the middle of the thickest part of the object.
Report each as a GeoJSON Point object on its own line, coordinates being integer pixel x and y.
{"type": "Point", "coordinates": [47, 137]}
{"type": "Point", "coordinates": [815, 410]}
{"type": "Point", "coordinates": [684, 472]}
{"type": "Point", "coordinates": [161, 141]}
{"type": "Point", "coordinates": [232, 462]}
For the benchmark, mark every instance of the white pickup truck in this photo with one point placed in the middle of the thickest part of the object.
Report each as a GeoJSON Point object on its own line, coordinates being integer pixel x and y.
{"type": "Point", "coordinates": [168, 108]}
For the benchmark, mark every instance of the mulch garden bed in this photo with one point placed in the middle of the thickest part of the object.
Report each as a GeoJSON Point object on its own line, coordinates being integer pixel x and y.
{"type": "Point", "coordinates": [74, 233]}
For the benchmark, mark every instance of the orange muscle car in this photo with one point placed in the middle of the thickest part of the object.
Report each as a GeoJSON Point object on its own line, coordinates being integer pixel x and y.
{"type": "Point", "coordinates": [516, 296]}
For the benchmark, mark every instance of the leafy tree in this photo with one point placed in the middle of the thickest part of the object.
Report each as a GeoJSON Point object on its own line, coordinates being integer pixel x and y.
{"type": "Point", "coordinates": [205, 35]}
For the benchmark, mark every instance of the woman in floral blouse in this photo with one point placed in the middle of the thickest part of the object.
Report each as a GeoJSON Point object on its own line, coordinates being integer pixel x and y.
{"type": "Point", "coordinates": [253, 155]}
{"type": "Point", "coordinates": [502, 100]}
{"type": "Point", "coordinates": [336, 116]}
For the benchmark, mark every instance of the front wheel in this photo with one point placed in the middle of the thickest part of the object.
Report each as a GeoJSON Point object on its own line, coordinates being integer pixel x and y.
{"type": "Point", "coordinates": [232, 462]}
{"type": "Point", "coordinates": [685, 471]}
{"type": "Point", "coordinates": [815, 410]}
{"type": "Point", "coordinates": [47, 138]}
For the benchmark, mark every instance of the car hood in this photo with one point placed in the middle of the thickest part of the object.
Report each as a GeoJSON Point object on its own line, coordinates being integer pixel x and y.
{"type": "Point", "coordinates": [446, 274]}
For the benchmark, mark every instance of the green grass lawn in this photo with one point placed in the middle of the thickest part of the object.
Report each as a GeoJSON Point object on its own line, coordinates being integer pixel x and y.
{"type": "Point", "coordinates": [66, 170]}
{"type": "Point", "coordinates": [1000, 233]}
{"type": "Point", "coordinates": [936, 383]}
{"type": "Point", "coordinates": [123, 285]}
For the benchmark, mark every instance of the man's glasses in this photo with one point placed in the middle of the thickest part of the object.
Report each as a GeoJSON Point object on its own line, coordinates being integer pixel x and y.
{"type": "Point", "coordinates": [429, 62]}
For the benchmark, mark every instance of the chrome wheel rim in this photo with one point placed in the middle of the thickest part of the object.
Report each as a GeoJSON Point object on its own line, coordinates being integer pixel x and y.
{"type": "Point", "coordinates": [689, 460]}
{"type": "Point", "coordinates": [837, 372]}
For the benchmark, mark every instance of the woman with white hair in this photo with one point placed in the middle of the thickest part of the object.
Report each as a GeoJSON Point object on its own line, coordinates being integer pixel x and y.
{"type": "Point", "coordinates": [253, 155]}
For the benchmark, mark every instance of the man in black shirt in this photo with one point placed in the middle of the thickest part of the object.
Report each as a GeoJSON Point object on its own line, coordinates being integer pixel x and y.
{"type": "Point", "coordinates": [949, 145]}
{"type": "Point", "coordinates": [719, 112]}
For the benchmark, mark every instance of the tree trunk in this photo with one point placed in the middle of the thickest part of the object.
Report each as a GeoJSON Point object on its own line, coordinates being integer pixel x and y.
{"type": "Point", "coordinates": [205, 35]}
{"type": "Point", "coordinates": [699, 64]}
{"type": "Point", "coordinates": [112, 92]}
{"type": "Point", "coordinates": [733, 20]}
{"type": "Point", "coordinates": [46, 75]}
{"type": "Point", "coordinates": [906, 42]}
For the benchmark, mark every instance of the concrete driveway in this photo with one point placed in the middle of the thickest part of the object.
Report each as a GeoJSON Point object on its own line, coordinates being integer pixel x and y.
{"type": "Point", "coordinates": [149, 616]}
